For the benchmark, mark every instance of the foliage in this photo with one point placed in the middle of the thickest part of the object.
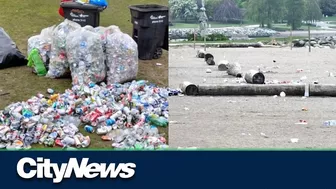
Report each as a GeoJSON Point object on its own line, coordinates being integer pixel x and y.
{"type": "Point", "coordinates": [295, 13]}
{"type": "Point", "coordinates": [266, 11]}
{"type": "Point", "coordinates": [210, 6]}
{"type": "Point", "coordinates": [183, 9]}
{"type": "Point", "coordinates": [242, 3]}
{"type": "Point", "coordinates": [328, 7]}
{"type": "Point", "coordinates": [227, 11]}
{"type": "Point", "coordinates": [313, 10]}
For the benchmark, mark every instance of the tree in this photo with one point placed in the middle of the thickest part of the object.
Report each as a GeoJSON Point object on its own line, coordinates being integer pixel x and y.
{"type": "Point", "coordinates": [275, 11]}
{"type": "Point", "coordinates": [183, 9]}
{"type": "Point", "coordinates": [255, 12]}
{"type": "Point", "coordinates": [265, 11]}
{"type": "Point", "coordinates": [328, 7]}
{"type": "Point", "coordinates": [242, 3]}
{"type": "Point", "coordinates": [227, 11]}
{"type": "Point", "coordinates": [210, 6]}
{"type": "Point", "coordinates": [295, 13]}
{"type": "Point", "coordinates": [313, 11]}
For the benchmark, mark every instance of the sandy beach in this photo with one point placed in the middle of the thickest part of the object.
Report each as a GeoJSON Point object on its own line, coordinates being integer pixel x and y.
{"type": "Point", "coordinates": [252, 122]}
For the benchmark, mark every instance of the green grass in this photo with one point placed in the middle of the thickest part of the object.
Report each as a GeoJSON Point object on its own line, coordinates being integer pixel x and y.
{"type": "Point", "coordinates": [330, 18]}
{"type": "Point", "coordinates": [22, 19]}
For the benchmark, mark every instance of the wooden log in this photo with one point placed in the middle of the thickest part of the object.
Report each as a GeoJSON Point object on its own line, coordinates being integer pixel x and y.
{"type": "Point", "coordinates": [223, 65]}
{"type": "Point", "coordinates": [189, 88]}
{"type": "Point", "coordinates": [322, 90]}
{"type": "Point", "coordinates": [234, 69]}
{"type": "Point", "coordinates": [209, 59]}
{"type": "Point", "coordinates": [255, 77]}
{"type": "Point", "coordinates": [200, 54]}
{"type": "Point", "coordinates": [239, 45]}
{"type": "Point", "coordinates": [250, 90]}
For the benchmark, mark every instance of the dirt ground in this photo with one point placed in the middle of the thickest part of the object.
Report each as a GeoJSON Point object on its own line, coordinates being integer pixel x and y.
{"type": "Point", "coordinates": [252, 122]}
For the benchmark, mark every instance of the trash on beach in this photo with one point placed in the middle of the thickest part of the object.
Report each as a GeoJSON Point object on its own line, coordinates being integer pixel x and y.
{"type": "Point", "coordinates": [294, 140]}
{"type": "Point", "coordinates": [301, 122]}
{"type": "Point", "coordinates": [282, 94]}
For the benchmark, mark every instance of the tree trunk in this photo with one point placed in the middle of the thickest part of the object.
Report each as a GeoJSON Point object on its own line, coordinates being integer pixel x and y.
{"type": "Point", "coordinates": [247, 90]}
{"type": "Point", "coordinates": [269, 25]}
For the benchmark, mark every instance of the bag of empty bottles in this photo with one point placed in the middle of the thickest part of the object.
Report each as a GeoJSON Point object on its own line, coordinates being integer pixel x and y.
{"type": "Point", "coordinates": [105, 31]}
{"type": "Point", "coordinates": [42, 43]}
{"type": "Point", "coordinates": [121, 58]}
{"type": "Point", "coordinates": [86, 57]}
{"type": "Point", "coordinates": [59, 66]}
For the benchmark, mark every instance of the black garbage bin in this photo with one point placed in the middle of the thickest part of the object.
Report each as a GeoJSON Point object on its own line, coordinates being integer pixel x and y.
{"type": "Point", "coordinates": [83, 14]}
{"type": "Point", "coordinates": [150, 29]}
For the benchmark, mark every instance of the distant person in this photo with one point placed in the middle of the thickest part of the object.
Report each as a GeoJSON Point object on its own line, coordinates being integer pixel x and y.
{"type": "Point", "coordinates": [60, 10]}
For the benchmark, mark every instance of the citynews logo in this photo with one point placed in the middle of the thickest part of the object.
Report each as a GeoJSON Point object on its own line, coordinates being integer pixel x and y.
{"type": "Point", "coordinates": [42, 168]}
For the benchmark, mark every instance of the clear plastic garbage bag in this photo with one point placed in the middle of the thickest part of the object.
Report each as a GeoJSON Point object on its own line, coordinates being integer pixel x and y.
{"type": "Point", "coordinates": [86, 57]}
{"type": "Point", "coordinates": [121, 58]}
{"type": "Point", "coordinates": [59, 65]}
{"type": "Point", "coordinates": [42, 42]}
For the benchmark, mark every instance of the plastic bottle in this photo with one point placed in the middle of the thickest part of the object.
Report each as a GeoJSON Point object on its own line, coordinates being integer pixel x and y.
{"type": "Point", "coordinates": [306, 94]}
{"type": "Point", "coordinates": [158, 121]}
{"type": "Point", "coordinates": [34, 60]}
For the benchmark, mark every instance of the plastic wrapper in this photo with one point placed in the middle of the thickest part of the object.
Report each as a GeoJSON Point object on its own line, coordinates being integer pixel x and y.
{"type": "Point", "coordinates": [102, 3]}
{"type": "Point", "coordinates": [42, 43]}
{"type": "Point", "coordinates": [121, 58]}
{"type": "Point", "coordinates": [86, 57]}
{"type": "Point", "coordinates": [59, 65]}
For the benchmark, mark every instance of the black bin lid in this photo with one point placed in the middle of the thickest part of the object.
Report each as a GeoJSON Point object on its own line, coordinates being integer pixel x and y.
{"type": "Point", "coordinates": [148, 8]}
{"type": "Point", "coordinates": [75, 5]}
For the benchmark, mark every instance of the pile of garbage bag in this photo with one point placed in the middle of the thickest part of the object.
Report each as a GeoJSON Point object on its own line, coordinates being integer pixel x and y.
{"type": "Point", "coordinates": [89, 54]}
{"type": "Point", "coordinates": [128, 115]}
